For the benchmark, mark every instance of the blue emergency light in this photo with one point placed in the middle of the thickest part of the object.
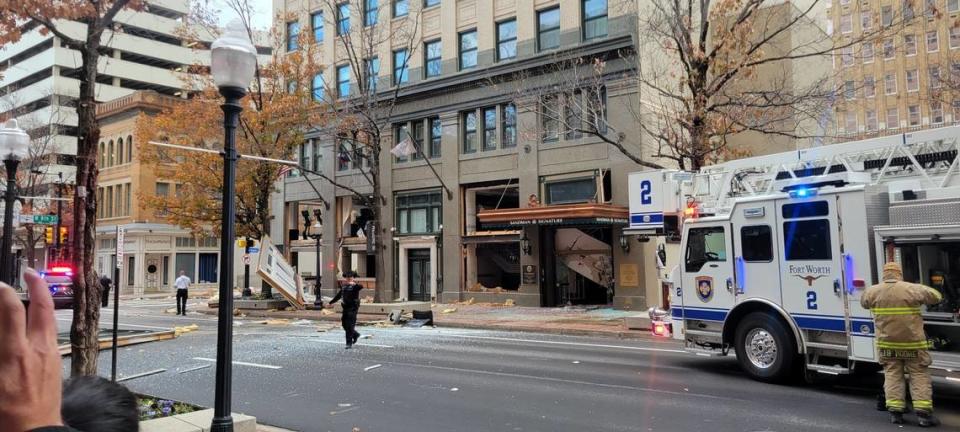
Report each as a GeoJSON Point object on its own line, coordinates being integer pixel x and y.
{"type": "Point", "coordinates": [803, 193]}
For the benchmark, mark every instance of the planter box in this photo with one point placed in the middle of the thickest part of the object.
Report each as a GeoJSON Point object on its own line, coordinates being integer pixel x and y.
{"type": "Point", "coordinates": [197, 421]}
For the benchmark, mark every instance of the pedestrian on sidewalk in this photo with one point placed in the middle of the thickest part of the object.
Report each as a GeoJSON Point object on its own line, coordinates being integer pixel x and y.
{"type": "Point", "coordinates": [350, 293]}
{"type": "Point", "coordinates": [902, 342]}
{"type": "Point", "coordinates": [183, 284]}
{"type": "Point", "coordinates": [105, 283]}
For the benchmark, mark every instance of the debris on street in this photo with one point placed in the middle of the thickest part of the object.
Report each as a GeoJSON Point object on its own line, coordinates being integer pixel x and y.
{"type": "Point", "coordinates": [448, 311]}
{"type": "Point", "coordinates": [185, 329]}
{"type": "Point", "coordinates": [275, 321]}
{"type": "Point", "coordinates": [370, 368]}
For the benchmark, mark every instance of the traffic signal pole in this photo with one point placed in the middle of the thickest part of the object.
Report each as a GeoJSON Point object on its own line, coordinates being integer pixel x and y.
{"type": "Point", "coordinates": [56, 240]}
{"type": "Point", "coordinates": [247, 292]}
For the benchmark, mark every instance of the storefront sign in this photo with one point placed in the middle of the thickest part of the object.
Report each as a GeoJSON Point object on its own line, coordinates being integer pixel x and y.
{"type": "Point", "coordinates": [629, 275]}
{"type": "Point", "coordinates": [529, 274]}
{"type": "Point", "coordinates": [275, 270]}
{"type": "Point", "coordinates": [559, 221]}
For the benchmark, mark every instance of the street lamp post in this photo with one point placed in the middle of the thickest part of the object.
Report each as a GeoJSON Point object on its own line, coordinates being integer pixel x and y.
{"type": "Point", "coordinates": [317, 235]}
{"type": "Point", "coordinates": [14, 145]}
{"type": "Point", "coordinates": [233, 64]}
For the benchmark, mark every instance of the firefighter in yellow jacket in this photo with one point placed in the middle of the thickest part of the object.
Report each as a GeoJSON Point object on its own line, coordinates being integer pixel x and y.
{"type": "Point", "coordinates": [902, 343]}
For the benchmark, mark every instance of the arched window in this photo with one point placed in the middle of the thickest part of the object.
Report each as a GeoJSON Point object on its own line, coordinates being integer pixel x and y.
{"type": "Point", "coordinates": [120, 159]}
{"type": "Point", "coordinates": [110, 154]}
{"type": "Point", "coordinates": [103, 154]}
{"type": "Point", "coordinates": [129, 148]}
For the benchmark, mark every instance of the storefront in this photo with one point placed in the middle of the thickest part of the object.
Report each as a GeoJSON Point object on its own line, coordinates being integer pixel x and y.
{"type": "Point", "coordinates": [576, 249]}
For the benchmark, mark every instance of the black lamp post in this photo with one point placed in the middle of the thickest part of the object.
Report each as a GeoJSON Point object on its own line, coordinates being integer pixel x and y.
{"type": "Point", "coordinates": [14, 146]}
{"type": "Point", "coordinates": [233, 64]}
{"type": "Point", "coordinates": [317, 235]}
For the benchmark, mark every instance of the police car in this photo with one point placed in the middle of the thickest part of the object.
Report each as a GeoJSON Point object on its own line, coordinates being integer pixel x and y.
{"type": "Point", "coordinates": [60, 282]}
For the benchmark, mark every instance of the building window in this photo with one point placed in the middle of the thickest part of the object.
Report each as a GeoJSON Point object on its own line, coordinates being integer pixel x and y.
{"type": "Point", "coordinates": [934, 73]}
{"type": "Point", "coordinates": [890, 83]}
{"type": "Point", "coordinates": [913, 80]}
{"type": "Point", "coordinates": [550, 117]}
{"type": "Point", "coordinates": [319, 87]}
{"type": "Point", "coordinates": [573, 115]}
{"type": "Point", "coordinates": [436, 133]}
{"type": "Point", "coordinates": [343, 81]}
{"type": "Point", "coordinates": [343, 19]}
{"type": "Point", "coordinates": [417, 140]}
{"type": "Point", "coordinates": [886, 16]}
{"type": "Point", "coordinates": [317, 156]}
{"type": "Point", "coordinates": [429, 3]}
{"type": "Point", "coordinates": [866, 20]}
{"type": "Point", "coordinates": [846, 23]}
{"type": "Point", "coordinates": [316, 20]}
{"type": "Point", "coordinates": [490, 128]}
{"type": "Point", "coordinates": [293, 36]}
{"type": "Point", "coordinates": [956, 110]}
{"type": "Point", "coordinates": [129, 149]}
{"type": "Point", "coordinates": [370, 12]}
{"type": "Point", "coordinates": [548, 29]}
{"type": "Point", "coordinates": [507, 39]}
{"type": "Point", "coordinates": [850, 122]}
{"type": "Point", "coordinates": [867, 52]}
{"type": "Point", "coordinates": [305, 158]}
{"type": "Point", "coordinates": [120, 159]}
{"type": "Point", "coordinates": [162, 189]}
{"type": "Point", "coordinates": [208, 268]}
{"type": "Point", "coordinates": [871, 117]}
{"type": "Point", "coordinates": [933, 41]}
{"type": "Point", "coordinates": [846, 56]}
{"type": "Point", "coordinates": [953, 5]}
{"type": "Point", "coordinates": [913, 115]}
{"type": "Point", "coordinates": [930, 8]}
{"type": "Point", "coordinates": [343, 155]}
{"type": "Point", "coordinates": [936, 112]}
{"type": "Point", "coordinates": [400, 134]}
{"type": "Point", "coordinates": [869, 87]}
{"type": "Point", "coordinates": [400, 67]}
{"type": "Point", "coordinates": [509, 125]}
{"type": "Point", "coordinates": [292, 86]}
{"type": "Point", "coordinates": [594, 19]}
{"type": "Point", "coordinates": [909, 45]}
{"type": "Point", "coordinates": [571, 191]}
{"type": "Point", "coordinates": [432, 54]}
{"type": "Point", "coordinates": [110, 151]}
{"type": "Point", "coordinates": [908, 13]}
{"type": "Point", "coordinates": [849, 90]}
{"type": "Point", "coordinates": [419, 213]}
{"type": "Point", "coordinates": [893, 118]}
{"type": "Point", "coordinates": [372, 69]}
{"type": "Point", "coordinates": [401, 8]}
{"type": "Point", "coordinates": [131, 270]}
{"type": "Point", "coordinates": [954, 37]}
{"type": "Point", "coordinates": [468, 49]}
{"type": "Point", "coordinates": [888, 51]}
{"type": "Point", "coordinates": [470, 132]}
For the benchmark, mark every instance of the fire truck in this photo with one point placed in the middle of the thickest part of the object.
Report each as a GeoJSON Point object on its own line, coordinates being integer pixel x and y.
{"type": "Point", "coordinates": [775, 251]}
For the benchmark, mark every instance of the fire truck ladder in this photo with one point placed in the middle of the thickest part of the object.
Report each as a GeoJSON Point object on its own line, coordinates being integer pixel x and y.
{"type": "Point", "coordinates": [926, 156]}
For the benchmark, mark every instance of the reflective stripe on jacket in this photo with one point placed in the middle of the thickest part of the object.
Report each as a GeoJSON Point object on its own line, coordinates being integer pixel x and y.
{"type": "Point", "coordinates": [896, 311]}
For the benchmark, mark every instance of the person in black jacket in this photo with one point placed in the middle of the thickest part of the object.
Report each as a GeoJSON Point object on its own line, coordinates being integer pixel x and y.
{"type": "Point", "coordinates": [105, 284]}
{"type": "Point", "coordinates": [350, 293]}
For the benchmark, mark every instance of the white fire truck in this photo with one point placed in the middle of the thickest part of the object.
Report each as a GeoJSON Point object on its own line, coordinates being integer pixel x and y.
{"type": "Point", "coordinates": [775, 251]}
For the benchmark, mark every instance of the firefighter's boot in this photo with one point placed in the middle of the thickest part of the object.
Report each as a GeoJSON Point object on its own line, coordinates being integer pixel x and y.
{"type": "Point", "coordinates": [881, 402]}
{"type": "Point", "coordinates": [896, 417]}
{"type": "Point", "coordinates": [925, 419]}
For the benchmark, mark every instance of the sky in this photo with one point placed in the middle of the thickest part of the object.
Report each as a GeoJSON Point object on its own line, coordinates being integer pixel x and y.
{"type": "Point", "coordinates": [261, 13]}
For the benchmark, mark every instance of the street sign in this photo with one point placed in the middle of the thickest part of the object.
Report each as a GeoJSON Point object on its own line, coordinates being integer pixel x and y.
{"type": "Point", "coordinates": [119, 247]}
{"type": "Point", "coordinates": [25, 219]}
{"type": "Point", "coordinates": [254, 250]}
{"type": "Point", "coordinates": [246, 260]}
{"type": "Point", "coordinates": [37, 219]}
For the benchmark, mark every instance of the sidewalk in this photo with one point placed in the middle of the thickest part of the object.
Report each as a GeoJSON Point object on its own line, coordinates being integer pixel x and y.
{"type": "Point", "coordinates": [565, 321]}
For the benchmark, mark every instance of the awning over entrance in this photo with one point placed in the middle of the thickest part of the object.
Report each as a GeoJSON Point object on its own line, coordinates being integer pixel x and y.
{"type": "Point", "coordinates": [555, 215]}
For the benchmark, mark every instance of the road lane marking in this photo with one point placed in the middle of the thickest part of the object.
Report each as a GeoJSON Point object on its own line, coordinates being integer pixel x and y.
{"type": "Point", "coordinates": [358, 343]}
{"type": "Point", "coordinates": [567, 381]}
{"type": "Point", "coordinates": [194, 368]}
{"type": "Point", "coordinates": [370, 368]}
{"type": "Point", "coordinates": [240, 363]}
{"type": "Point", "coordinates": [126, 325]}
{"type": "Point", "coordinates": [141, 375]}
{"type": "Point", "coordinates": [567, 343]}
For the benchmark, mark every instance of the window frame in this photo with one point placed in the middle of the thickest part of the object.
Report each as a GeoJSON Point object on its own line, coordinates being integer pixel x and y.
{"type": "Point", "coordinates": [541, 30]}
{"type": "Point", "coordinates": [936, 41]}
{"type": "Point", "coordinates": [396, 8]}
{"type": "Point", "coordinates": [914, 112]}
{"type": "Point", "coordinates": [293, 35]}
{"type": "Point", "coordinates": [692, 233]}
{"type": "Point", "coordinates": [506, 126]}
{"type": "Point", "coordinates": [401, 72]}
{"type": "Point", "coordinates": [467, 132]}
{"type": "Point", "coordinates": [433, 210]}
{"type": "Point", "coordinates": [869, 82]}
{"type": "Point", "coordinates": [896, 120]}
{"type": "Point", "coordinates": [341, 94]}
{"type": "Point", "coordinates": [584, 20]}
{"type": "Point", "coordinates": [369, 12]}
{"type": "Point", "coordinates": [501, 42]}
{"type": "Point", "coordinates": [427, 60]}
{"type": "Point", "coordinates": [317, 30]}
{"type": "Point", "coordinates": [343, 22]}
{"type": "Point", "coordinates": [371, 67]}
{"type": "Point", "coordinates": [461, 52]}
{"type": "Point", "coordinates": [322, 88]}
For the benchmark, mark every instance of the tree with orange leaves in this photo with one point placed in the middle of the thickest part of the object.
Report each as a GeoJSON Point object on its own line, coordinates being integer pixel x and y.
{"type": "Point", "coordinates": [98, 18]}
{"type": "Point", "coordinates": [273, 122]}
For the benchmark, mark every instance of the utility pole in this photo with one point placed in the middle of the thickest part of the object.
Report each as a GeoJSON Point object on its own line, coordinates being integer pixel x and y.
{"type": "Point", "coordinates": [56, 235]}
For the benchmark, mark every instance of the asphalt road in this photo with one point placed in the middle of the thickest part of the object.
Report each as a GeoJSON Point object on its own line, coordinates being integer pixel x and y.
{"type": "Point", "coordinates": [468, 380]}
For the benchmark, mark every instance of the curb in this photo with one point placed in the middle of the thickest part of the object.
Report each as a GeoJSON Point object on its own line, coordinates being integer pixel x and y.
{"type": "Point", "coordinates": [619, 334]}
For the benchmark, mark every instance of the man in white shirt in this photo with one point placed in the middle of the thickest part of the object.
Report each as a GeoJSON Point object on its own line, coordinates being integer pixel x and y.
{"type": "Point", "coordinates": [182, 283]}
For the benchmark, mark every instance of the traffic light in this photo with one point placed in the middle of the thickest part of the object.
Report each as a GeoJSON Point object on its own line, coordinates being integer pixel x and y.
{"type": "Point", "coordinates": [63, 235]}
{"type": "Point", "coordinates": [48, 235]}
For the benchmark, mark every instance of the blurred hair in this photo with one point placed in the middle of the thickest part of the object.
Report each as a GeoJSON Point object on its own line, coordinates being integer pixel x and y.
{"type": "Point", "coordinates": [95, 404]}
{"type": "Point", "coordinates": [350, 274]}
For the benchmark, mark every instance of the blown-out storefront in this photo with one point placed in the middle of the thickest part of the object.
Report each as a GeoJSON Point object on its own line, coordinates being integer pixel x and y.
{"type": "Point", "coordinates": [568, 252]}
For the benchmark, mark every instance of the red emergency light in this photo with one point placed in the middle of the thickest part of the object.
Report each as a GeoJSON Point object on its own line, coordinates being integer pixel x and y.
{"type": "Point", "coordinates": [61, 269]}
{"type": "Point", "coordinates": [661, 329]}
{"type": "Point", "coordinates": [692, 210]}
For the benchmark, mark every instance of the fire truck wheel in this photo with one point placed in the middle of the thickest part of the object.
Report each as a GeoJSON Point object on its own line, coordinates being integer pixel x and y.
{"type": "Point", "coordinates": [764, 348]}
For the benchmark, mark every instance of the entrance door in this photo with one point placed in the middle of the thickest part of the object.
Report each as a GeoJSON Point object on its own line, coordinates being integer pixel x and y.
{"type": "Point", "coordinates": [812, 264]}
{"type": "Point", "coordinates": [418, 261]}
{"type": "Point", "coordinates": [708, 286]}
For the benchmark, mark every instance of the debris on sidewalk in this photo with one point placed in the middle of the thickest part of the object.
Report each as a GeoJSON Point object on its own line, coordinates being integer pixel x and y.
{"type": "Point", "coordinates": [325, 312]}
{"type": "Point", "coordinates": [370, 368]}
{"type": "Point", "coordinates": [185, 329]}
{"type": "Point", "coordinates": [509, 302]}
{"type": "Point", "coordinates": [367, 299]}
{"type": "Point", "coordinates": [275, 321]}
{"type": "Point", "coordinates": [448, 311]}
{"type": "Point", "coordinates": [302, 322]}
